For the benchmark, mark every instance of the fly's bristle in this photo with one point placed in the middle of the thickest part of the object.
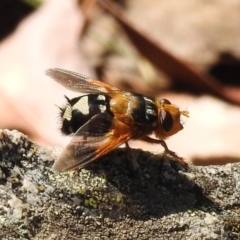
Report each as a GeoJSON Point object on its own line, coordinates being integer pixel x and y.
{"type": "Point", "coordinates": [68, 100]}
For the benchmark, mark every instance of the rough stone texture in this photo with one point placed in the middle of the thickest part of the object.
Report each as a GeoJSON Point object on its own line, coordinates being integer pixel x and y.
{"type": "Point", "coordinates": [109, 200]}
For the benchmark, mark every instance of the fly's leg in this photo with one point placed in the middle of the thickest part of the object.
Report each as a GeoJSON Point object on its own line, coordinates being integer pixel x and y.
{"type": "Point", "coordinates": [131, 157]}
{"type": "Point", "coordinates": [166, 150]}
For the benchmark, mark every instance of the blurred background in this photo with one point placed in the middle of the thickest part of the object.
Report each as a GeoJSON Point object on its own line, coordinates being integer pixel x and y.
{"type": "Point", "coordinates": [185, 51]}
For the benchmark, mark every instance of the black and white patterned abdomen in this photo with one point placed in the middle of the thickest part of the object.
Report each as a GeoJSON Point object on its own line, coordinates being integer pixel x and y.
{"type": "Point", "coordinates": [80, 110]}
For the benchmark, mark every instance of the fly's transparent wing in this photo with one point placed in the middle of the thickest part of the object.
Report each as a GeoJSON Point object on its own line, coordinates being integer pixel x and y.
{"type": "Point", "coordinates": [94, 139]}
{"type": "Point", "coordinates": [78, 82]}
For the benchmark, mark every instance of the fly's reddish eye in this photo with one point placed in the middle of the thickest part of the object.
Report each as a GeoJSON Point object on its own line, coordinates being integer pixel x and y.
{"type": "Point", "coordinates": [164, 101]}
{"type": "Point", "coordinates": [166, 120]}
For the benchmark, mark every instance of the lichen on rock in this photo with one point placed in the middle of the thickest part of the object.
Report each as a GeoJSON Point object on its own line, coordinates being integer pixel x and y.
{"type": "Point", "coordinates": [161, 199]}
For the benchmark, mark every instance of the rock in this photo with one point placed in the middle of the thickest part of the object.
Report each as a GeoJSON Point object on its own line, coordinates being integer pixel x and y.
{"type": "Point", "coordinates": [108, 199]}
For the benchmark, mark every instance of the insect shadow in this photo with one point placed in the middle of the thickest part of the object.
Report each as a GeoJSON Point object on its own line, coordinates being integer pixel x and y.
{"type": "Point", "coordinates": [154, 186]}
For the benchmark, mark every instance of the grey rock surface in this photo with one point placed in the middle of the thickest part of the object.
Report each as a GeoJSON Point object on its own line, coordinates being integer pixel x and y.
{"type": "Point", "coordinates": [109, 200]}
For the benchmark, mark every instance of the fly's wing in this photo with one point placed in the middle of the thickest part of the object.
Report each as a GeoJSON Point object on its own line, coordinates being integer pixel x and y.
{"type": "Point", "coordinates": [94, 139]}
{"type": "Point", "coordinates": [78, 82]}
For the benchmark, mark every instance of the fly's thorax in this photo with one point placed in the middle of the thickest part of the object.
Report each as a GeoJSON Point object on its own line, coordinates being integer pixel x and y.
{"type": "Point", "coordinates": [81, 109]}
{"type": "Point", "coordinates": [135, 110]}
{"type": "Point", "coordinates": [145, 112]}
{"type": "Point", "coordinates": [169, 122]}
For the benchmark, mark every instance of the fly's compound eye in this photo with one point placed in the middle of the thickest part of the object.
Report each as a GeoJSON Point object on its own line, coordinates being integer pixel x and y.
{"type": "Point", "coordinates": [166, 120]}
{"type": "Point", "coordinates": [164, 101]}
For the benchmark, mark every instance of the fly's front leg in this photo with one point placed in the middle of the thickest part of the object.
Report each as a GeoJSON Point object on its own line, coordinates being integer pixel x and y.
{"type": "Point", "coordinates": [166, 150]}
